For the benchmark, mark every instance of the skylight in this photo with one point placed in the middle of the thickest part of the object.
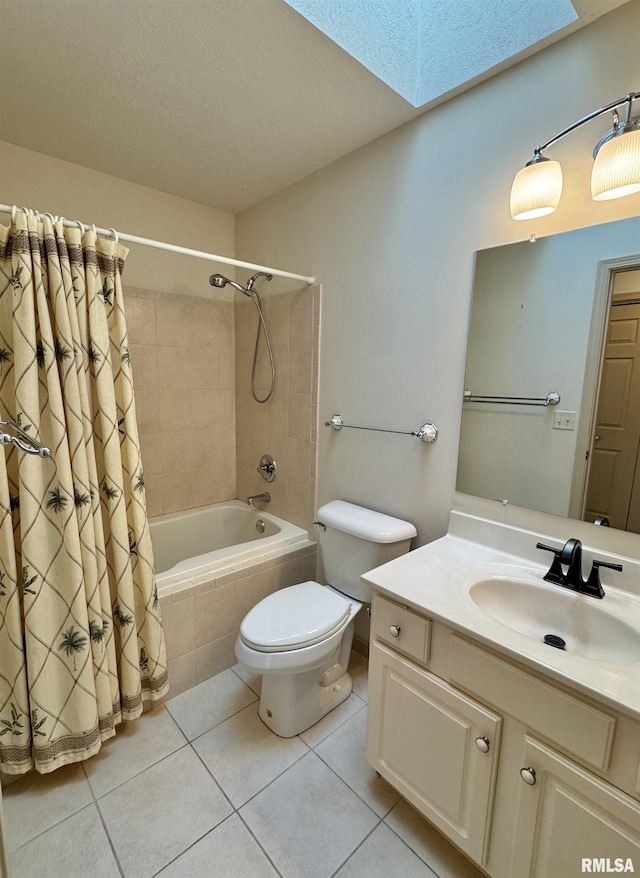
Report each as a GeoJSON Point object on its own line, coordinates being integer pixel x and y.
{"type": "Point", "coordinates": [423, 49]}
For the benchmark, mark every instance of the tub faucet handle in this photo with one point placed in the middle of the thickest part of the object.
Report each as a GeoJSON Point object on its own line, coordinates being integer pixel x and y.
{"type": "Point", "coordinates": [267, 468]}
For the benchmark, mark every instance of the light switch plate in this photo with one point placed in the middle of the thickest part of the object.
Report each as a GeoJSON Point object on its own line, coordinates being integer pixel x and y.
{"type": "Point", "coordinates": [564, 420]}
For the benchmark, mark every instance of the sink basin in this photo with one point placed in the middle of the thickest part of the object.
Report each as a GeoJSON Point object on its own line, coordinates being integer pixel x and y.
{"type": "Point", "coordinates": [584, 623]}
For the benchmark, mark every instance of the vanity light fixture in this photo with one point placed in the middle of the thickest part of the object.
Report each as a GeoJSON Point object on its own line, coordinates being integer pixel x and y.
{"type": "Point", "coordinates": [537, 187]}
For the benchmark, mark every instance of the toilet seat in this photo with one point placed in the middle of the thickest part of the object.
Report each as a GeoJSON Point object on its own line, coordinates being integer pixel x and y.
{"type": "Point", "coordinates": [295, 617]}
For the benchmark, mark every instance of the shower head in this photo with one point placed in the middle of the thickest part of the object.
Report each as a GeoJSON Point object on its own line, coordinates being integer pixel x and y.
{"type": "Point", "coordinates": [219, 281]}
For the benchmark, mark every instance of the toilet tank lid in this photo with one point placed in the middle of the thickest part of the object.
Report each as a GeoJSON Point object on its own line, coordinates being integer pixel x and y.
{"type": "Point", "coordinates": [365, 523]}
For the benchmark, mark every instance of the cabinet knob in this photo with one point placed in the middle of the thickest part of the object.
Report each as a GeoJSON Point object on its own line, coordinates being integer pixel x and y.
{"type": "Point", "coordinates": [394, 630]}
{"type": "Point", "coordinates": [528, 775]}
{"type": "Point", "coordinates": [482, 744]}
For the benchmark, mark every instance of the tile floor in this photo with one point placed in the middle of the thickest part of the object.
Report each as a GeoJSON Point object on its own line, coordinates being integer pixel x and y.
{"type": "Point", "coordinates": [200, 788]}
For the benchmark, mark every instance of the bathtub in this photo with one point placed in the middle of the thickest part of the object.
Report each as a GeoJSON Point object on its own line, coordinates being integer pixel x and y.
{"type": "Point", "coordinates": [201, 543]}
{"type": "Point", "coordinates": [212, 566]}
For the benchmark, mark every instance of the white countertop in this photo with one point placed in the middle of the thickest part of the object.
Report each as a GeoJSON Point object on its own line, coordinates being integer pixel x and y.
{"type": "Point", "coordinates": [435, 580]}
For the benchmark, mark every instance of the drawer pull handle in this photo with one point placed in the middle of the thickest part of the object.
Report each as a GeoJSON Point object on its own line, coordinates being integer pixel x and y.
{"type": "Point", "coordinates": [528, 775]}
{"type": "Point", "coordinates": [482, 744]}
{"type": "Point", "coordinates": [394, 630]}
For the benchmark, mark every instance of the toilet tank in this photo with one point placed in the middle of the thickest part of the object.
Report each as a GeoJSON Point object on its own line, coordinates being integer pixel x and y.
{"type": "Point", "coordinates": [355, 540]}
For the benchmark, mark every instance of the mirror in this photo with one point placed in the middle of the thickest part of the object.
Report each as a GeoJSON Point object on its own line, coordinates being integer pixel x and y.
{"type": "Point", "coordinates": [538, 322]}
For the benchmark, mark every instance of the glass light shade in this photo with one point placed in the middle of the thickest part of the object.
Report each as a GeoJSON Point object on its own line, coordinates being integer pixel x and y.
{"type": "Point", "coordinates": [536, 189]}
{"type": "Point", "coordinates": [616, 170]}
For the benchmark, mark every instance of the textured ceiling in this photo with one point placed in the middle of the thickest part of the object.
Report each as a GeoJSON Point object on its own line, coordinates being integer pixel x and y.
{"type": "Point", "coordinates": [426, 48]}
{"type": "Point", "coordinates": [223, 102]}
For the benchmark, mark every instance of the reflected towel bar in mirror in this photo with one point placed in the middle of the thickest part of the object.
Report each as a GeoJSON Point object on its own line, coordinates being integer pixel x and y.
{"type": "Point", "coordinates": [551, 398]}
{"type": "Point", "coordinates": [427, 432]}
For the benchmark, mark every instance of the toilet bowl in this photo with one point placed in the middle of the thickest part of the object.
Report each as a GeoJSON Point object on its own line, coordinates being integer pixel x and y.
{"type": "Point", "coordinates": [299, 638]}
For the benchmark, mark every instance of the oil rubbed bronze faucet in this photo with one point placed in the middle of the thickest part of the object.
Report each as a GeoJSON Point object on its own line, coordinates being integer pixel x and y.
{"type": "Point", "coordinates": [570, 557]}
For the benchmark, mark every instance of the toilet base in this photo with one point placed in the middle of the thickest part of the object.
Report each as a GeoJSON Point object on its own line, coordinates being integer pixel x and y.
{"type": "Point", "coordinates": [290, 704]}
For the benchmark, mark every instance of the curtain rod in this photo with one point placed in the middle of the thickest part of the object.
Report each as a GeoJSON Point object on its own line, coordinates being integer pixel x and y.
{"type": "Point", "coordinates": [172, 248]}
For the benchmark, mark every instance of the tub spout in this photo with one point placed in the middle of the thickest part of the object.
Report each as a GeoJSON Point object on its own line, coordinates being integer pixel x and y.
{"type": "Point", "coordinates": [259, 498]}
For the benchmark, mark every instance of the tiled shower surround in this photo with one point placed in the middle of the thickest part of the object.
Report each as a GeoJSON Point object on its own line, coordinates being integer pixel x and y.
{"type": "Point", "coordinates": [202, 437]}
{"type": "Point", "coordinates": [285, 426]}
{"type": "Point", "coordinates": [182, 354]}
{"type": "Point", "coordinates": [201, 432]}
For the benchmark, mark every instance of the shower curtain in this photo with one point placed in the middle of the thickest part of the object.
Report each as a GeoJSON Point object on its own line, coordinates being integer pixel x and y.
{"type": "Point", "coordinates": [81, 639]}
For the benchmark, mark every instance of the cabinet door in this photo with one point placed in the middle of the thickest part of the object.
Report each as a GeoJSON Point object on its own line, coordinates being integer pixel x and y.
{"type": "Point", "coordinates": [437, 747]}
{"type": "Point", "coordinates": [567, 815]}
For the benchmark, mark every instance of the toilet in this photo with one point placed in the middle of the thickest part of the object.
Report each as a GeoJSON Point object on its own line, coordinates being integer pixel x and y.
{"type": "Point", "coordinates": [299, 638]}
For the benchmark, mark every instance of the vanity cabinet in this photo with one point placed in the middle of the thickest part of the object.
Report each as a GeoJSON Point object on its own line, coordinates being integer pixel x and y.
{"type": "Point", "coordinates": [437, 746]}
{"type": "Point", "coordinates": [524, 776]}
{"type": "Point", "coordinates": [564, 813]}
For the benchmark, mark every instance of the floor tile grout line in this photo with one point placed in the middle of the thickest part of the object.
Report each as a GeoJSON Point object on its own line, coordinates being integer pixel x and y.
{"type": "Point", "coordinates": [138, 773]}
{"type": "Point", "coordinates": [101, 819]}
{"type": "Point", "coordinates": [259, 843]}
{"type": "Point", "coordinates": [235, 809]}
{"type": "Point", "coordinates": [355, 850]}
{"type": "Point", "coordinates": [109, 840]}
{"type": "Point", "coordinates": [192, 845]}
{"type": "Point", "coordinates": [335, 729]}
{"type": "Point", "coordinates": [274, 779]}
{"type": "Point", "coordinates": [355, 792]}
{"type": "Point", "coordinates": [212, 776]}
{"type": "Point", "coordinates": [404, 841]}
{"type": "Point", "coordinates": [37, 774]}
{"type": "Point", "coordinates": [244, 681]}
{"type": "Point", "coordinates": [284, 770]}
{"type": "Point", "coordinates": [199, 735]}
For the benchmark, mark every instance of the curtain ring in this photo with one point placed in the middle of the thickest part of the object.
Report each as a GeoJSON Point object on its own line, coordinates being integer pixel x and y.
{"type": "Point", "coordinates": [95, 231]}
{"type": "Point", "coordinates": [14, 210]}
{"type": "Point", "coordinates": [115, 236]}
{"type": "Point", "coordinates": [80, 226]}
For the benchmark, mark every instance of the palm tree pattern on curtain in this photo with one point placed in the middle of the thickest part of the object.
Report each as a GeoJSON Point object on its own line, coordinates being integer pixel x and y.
{"type": "Point", "coordinates": [81, 639]}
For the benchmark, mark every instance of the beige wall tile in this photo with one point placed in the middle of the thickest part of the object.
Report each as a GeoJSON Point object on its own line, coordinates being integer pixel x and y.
{"type": "Point", "coordinates": [177, 452]}
{"type": "Point", "coordinates": [153, 495]}
{"type": "Point", "coordinates": [144, 365]}
{"type": "Point", "coordinates": [299, 417]}
{"type": "Point", "coordinates": [174, 408]}
{"type": "Point", "coordinates": [173, 324]}
{"type": "Point", "coordinates": [214, 657]}
{"type": "Point", "coordinates": [147, 410]}
{"type": "Point", "coordinates": [176, 492]}
{"type": "Point", "coordinates": [141, 320]}
{"type": "Point", "coordinates": [179, 626]}
{"type": "Point", "coordinates": [227, 365]}
{"type": "Point", "coordinates": [174, 368]}
{"type": "Point", "coordinates": [205, 409]}
{"type": "Point", "coordinates": [182, 673]}
{"type": "Point", "coordinates": [301, 320]}
{"type": "Point", "coordinates": [205, 368]}
{"type": "Point", "coordinates": [151, 453]}
{"type": "Point", "coordinates": [300, 370]}
{"type": "Point", "coordinates": [215, 614]}
{"type": "Point", "coordinates": [251, 590]}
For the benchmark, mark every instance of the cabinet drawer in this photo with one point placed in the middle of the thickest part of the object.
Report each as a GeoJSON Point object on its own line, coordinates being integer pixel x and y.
{"type": "Point", "coordinates": [413, 631]}
{"type": "Point", "coordinates": [577, 727]}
